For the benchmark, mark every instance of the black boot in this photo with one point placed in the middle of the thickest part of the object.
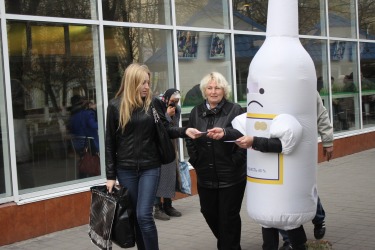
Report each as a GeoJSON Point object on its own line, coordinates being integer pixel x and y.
{"type": "Point", "coordinates": [299, 247]}
{"type": "Point", "coordinates": [298, 238]}
{"type": "Point", "coordinates": [270, 238]}
{"type": "Point", "coordinates": [160, 213]}
{"type": "Point", "coordinates": [169, 210]}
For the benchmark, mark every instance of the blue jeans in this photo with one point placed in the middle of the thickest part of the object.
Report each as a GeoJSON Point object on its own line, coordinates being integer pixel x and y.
{"type": "Point", "coordinates": [318, 219]}
{"type": "Point", "coordinates": [142, 186]}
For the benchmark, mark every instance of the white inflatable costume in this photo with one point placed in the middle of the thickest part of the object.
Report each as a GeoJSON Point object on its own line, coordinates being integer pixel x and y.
{"type": "Point", "coordinates": [281, 188]}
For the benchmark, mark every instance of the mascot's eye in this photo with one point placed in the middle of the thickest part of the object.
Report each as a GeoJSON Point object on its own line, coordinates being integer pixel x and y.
{"type": "Point", "coordinates": [261, 91]}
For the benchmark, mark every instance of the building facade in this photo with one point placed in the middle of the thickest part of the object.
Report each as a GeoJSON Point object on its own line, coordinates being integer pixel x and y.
{"type": "Point", "coordinates": [53, 51]}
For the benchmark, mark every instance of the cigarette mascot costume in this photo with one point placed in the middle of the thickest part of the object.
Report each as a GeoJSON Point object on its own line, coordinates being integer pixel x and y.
{"type": "Point", "coordinates": [281, 187]}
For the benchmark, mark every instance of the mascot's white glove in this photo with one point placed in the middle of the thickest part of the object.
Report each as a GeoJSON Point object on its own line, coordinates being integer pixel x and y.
{"type": "Point", "coordinates": [239, 123]}
{"type": "Point", "coordinates": [288, 130]}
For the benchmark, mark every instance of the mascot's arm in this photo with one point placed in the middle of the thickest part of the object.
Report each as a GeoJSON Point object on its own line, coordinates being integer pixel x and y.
{"type": "Point", "coordinates": [239, 123]}
{"type": "Point", "coordinates": [270, 145]}
{"type": "Point", "coordinates": [286, 128]}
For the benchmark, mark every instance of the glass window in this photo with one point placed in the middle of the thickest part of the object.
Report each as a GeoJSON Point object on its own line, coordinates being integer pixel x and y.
{"type": "Point", "coordinates": [317, 49]}
{"type": "Point", "coordinates": [312, 18]}
{"type": "Point", "coordinates": [5, 174]}
{"type": "Point", "coordinates": [84, 9]}
{"type": "Point", "coordinates": [204, 13]}
{"type": "Point", "coordinates": [148, 46]}
{"type": "Point", "coordinates": [54, 90]}
{"type": "Point", "coordinates": [345, 101]}
{"type": "Point", "coordinates": [342, 19]}
{"type": "Point", "coordinates": [367, 60]}
{"type": "Point", "coordinates": [250, 15]}
{"type": "Point", "coordinates": [150, 11]}
{"type": "Point", "coordinates": [5, 178]}
{"type": "Point", "coordinates": [366, 19]}
{"type": "Point", "coordinates": [245, 48]}
{"type": "Point", "coordinates": [200, 54]}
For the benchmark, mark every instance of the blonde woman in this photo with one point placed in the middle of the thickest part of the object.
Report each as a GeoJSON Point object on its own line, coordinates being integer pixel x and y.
{"type": "Point", "coordinates": [132, 156]}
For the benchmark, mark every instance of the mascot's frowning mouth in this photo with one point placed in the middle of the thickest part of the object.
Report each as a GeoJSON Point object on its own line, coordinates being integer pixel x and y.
{"type": "Point", "coordinates": [255, 102]}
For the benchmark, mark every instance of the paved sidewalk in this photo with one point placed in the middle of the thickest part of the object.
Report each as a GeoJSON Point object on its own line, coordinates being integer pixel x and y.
{"type": "Point", "coordinates": [346, 189]}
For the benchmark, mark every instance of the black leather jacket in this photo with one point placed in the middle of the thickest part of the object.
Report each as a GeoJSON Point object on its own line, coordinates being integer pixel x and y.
{"type": "Point", "coordinates": [218, 164]}
{"type": "Point", "coordinates": [136, 147]}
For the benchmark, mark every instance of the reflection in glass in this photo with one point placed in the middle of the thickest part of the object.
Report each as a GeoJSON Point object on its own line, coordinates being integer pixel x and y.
{"type": "Point", "coordinates": [148, 46]}
{"type": "Point", "coordinates": [206, 60]}
{"type": "Point", "coordinates": [366, 19]}
{"type": "Point", "coordinates": [317, 49]}
{"type": "Point", "coordinates": [2, 165]}
{"type": "Point", "coordinates": [5, 174]}
{"type": "Point", "coordinates": [367, 62]}
{"type": "Point", "coordinates": [187, 43]}
{"type": "Point", "coordinates": [342, 21]}
{"type": "Point", "coordinates": [250, 15]}
{"type": "Point", "coordinates": [245, 48]}
{"type": "Point", "coordinates": [217, 49]}
{"type": "Point", "coordinates": [204, 13]}
{"type": "Point", "coordinates": [312, 18]}
{"type": "Point", "coordinates": [49, 64]}
{"type": "Point", "coordinates": [2, 171]}
{"type": "Point", "coordinates": [345, 101]}
{"type": "Point", "coordinates": [151, 11]}
{"type": "Point", "coordinates": [84, 9]}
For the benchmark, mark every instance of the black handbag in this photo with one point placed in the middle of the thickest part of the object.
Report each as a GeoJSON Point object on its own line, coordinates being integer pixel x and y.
{"type": "Point", "coordinates": [111, 218]}
{"type": "Point", "coordinates": [165, 145]}
{"type": "Point", "coordinates": [123, 232]}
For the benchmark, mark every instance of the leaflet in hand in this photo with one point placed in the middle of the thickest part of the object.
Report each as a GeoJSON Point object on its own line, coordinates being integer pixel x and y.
{"type": "Point", "coordinates": [202, 133]}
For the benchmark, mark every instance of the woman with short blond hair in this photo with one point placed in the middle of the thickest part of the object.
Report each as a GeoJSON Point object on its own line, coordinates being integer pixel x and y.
{"type": "Point", "coordinates": [219, 163]}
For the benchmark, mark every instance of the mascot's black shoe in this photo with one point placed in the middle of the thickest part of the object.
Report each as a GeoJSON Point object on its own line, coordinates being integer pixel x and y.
{"type": "Point", "coordinates": [286, 246]}
{"type": "Point", "coordinates": [319, 230]}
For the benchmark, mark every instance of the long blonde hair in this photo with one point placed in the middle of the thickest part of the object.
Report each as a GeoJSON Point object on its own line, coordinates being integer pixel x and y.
{"type": "Point", "coordinates": [130, 92]}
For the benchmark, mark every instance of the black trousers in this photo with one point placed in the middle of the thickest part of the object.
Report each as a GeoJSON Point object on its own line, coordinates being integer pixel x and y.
{"type": "Point", "coordinates": [296, 236]}
{"type": "Point", "coordinates": [221, 208]}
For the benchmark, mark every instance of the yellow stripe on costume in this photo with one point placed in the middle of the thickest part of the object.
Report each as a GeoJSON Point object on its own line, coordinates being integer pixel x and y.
{"type": "Point", "coordinates": [260, 116]}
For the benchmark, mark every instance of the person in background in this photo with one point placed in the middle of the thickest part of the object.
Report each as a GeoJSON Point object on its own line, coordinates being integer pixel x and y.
{"type": "Point", "coordinates": [194, 96]}
{"type": "Point", "coordinates": [83, 125]}
{"type": "Point", "coordinates": [220, 166]}
{"type": "Point", "coordinates": [167, 182]}
{"type": "Point", "coordinates": [83, 121]}
{"type": "Point", "coordinates": [19, 119]}
{"type": "Point", "coordinates": [325, 131]}
{"type": "Point", "coordinates": [2, 177]}
{"type": "Point", "coordinates": [21, 136]}
{"type": "Point", "coordinates": [132, 155]}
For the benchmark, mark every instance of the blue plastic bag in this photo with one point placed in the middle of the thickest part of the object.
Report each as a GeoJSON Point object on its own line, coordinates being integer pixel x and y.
{"type": "Point", "coordinates": [183, 184]}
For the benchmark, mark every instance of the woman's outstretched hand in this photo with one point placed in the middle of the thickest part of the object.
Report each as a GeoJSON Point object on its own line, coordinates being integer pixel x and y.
{"type": "Point", "coordinates": [245, 141]}
{"type": "Point", "coordinates": [216, 133]}
{"type": "Point", "coordinates": [194, 133]}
